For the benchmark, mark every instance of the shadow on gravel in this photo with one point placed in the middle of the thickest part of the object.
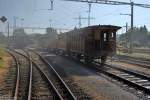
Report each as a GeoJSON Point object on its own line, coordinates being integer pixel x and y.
{"type": "Point", "coordinates": [67, 66]}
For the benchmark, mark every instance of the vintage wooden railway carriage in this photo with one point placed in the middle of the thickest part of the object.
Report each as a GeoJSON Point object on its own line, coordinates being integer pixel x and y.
{"type": "Point", "coordinates": [89, 43]}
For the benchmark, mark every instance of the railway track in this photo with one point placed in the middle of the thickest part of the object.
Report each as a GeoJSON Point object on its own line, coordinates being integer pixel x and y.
{"type": "Point", "coordinates": [134, 61]}
{"type": "Point", "coordinates": [43, 88]}
{"type": "Point", "coordinates": [23, 79]}
{"type": "Point", "coordinates": [129, 78]}
{"type": "Point", "coordinates": [71, 83]}
{"type": "Point", "coordinates": [135, 50]}
{"type": "Point", "coordinates": [10, 89]}
{"type": "Point", "coordinates": [32, 82]}
{"type": "Point", "coordinates": [57, 81]}
{"type": "Point", "coordinates": [145, 63]}
{"type": "Point", "coordinates": [133, 79]}
{"type": "Point", "coordinates": [136, 65]}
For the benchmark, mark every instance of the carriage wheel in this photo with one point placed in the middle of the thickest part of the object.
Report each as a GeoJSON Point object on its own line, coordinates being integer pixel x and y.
{"type": "Point", "coordinates": [78, 57]}
{"type": "Point", "coordinates": [88, 59]}
{"type": "Point", "coordinates": [103, 60]}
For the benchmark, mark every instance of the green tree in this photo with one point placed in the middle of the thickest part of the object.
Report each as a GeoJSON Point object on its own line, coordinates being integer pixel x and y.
{"type": "Point", "coordinates": [139, 36]}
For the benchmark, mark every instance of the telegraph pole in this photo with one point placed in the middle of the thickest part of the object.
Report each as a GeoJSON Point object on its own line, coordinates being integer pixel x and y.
{"type": "Point", "coordinates": [50, 23]}
{"type": "Point", "coordinates": [51, 6]}
{"type": "Point", "coordinates": [89, 14]}
{"type": "Point", "coordinates": [126, 36]}
{"type": "Point", "coordinates": [15, 22]}
{"type": "Point", "coordinates": [52, 3]}
{"type": "Point", "coordinates": [22, 19]}
{"type": "Point", "coordinates": [126, 27]}
{"type": "Point", "coordinates": [131, 31]}
{"type": "Point", "coordinates": [80, 18]}
{"type": "Point", "coordinates": [80, 21]}
{"type": "Point", "coordinates": [8, 34]}
{"type": "Point", "coordinates": [8, 29]}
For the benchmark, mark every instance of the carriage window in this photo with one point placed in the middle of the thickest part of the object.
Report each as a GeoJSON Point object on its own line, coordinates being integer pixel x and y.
{"type": "Point", "coordinates": [104, 36]}
{"type": "Point", "coordinates": [112, 35]}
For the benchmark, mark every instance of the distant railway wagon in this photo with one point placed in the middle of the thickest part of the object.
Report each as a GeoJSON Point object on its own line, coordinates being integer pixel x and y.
{"type": "Point", "coordinates": [89, 43]}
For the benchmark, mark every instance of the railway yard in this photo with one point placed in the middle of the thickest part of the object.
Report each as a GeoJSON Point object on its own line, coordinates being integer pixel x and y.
{"type": "Point", "coordinates": [74, 50]}
{"type": "Point", "coordinates": [44, 75]}
{"type": "Point", "coordinates": [81, 64]}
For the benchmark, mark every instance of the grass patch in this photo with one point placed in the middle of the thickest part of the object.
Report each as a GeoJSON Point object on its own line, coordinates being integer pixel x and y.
{"type": "Point", "coordinates": [2, 54]}
{"type": "Point", "coordinates": [1, 63]}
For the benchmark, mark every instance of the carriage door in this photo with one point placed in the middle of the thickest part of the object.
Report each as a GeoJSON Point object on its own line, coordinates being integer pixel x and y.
{"type": "Point", "coordinates": [104, 40]}
{"type": "Point", "coordinates": [97, 40]}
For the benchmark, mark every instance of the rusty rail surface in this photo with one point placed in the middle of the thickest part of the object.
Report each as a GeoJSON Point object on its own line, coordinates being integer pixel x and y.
{"type": "Point", "coordinates": [17, 75]}
{"type": "Point", "coordinates": [30, 78]}
{"type": "Point", "coordinates": [59, 97]}
{"type": "Point", "coordinates": [68, 91]}
{"type": "Point", "coordinates": [126, 76]}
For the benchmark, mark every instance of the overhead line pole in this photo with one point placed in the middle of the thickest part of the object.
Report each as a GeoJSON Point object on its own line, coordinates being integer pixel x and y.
{"type": "Point", "coordinates": [8, 29]}
{"type": "Point", "coordinates": [52, 3]}
{"type": "Point", "coordinates": [132, 20]}
{"type": "Point", "coordinates": [126, 36]}
{"type": "Point", "coordinates": [80, 18]}
{"type": "Point", "coordinates": [89, 12]}
{"type": "Point", "coordinates": [79, 21]}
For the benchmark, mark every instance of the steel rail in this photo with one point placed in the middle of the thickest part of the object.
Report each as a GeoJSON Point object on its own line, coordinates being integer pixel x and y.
{"type": "Point", "coordinates": [130, 72]}
{"type": "Point", "coordinates": [43, 73]}
{"type": "Point", "coordinates": [128, 82]}
{"type": "Point", "coordinates": [15, 97]}
{"type": "Point", "coordinates": [124, 80]}
{"type": "Point", "coordinates": [135, 60]}
{"type": "Point", "coordinates": [140, 63]}
{"type": "Point", "coordinates": [127, 70]}
{"type": "Point", "coordinates": [117, 67]}
{"type": "Point", "coordinates": [57, 75]}
{"type": "Point", "coordinates": [30, 81]}
{"type": "Point", "coordinates": [30, 78]}
{"type": "Point", "coordinates": [135, 50]}
{"type": "Point", "coordinates": [96, 66]}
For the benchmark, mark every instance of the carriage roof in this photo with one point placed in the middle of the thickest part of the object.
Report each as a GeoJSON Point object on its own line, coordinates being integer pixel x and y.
{"type": "Point", "coordinates": [103, 27]}
{"type": "Point", "coordinates": [99, 27]}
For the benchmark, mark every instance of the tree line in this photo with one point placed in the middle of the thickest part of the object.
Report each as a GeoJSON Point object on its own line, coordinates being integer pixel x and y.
{"type": "Point", "coordinates": [20, 39]}
{"type": "Point", "coordinates": [140, 37]}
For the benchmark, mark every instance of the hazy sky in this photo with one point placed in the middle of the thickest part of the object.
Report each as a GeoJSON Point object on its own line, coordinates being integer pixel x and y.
{"type": "Point", "coordinates": [64, 12]}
